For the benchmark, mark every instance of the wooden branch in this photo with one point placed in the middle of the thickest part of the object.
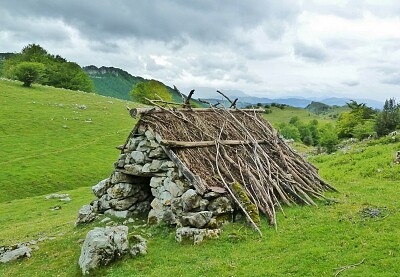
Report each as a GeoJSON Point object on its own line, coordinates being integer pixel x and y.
{"type": "Point", "coordinates": [186, 104]}
{"type": "Point", "coordinates": [190, 144]}
{"type": "Point", "coordinates": [166, 102]}
{"type": "Point", "coordinates": [195, 180]}
{"type": "Point", "coordinates": [233, 104]}
{"type": "Point", "coordinates": [348, 266]}
{"type": "Point", "coordinates": [137, 111]}
{"type": "Point", "coordinates": [227, 98]}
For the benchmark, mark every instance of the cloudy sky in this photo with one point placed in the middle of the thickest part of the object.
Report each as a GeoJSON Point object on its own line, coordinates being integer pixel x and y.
{"type": "Point", "coordinates": [266, 48]}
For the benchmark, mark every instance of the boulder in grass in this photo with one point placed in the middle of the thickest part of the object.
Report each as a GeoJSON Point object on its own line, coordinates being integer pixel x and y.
{"type": "Point", "coordinates": [102, 246]}
{"type": "Point", "coordinates": [15, 254]}
{"type": "Point", "coordinates": [86, 214]}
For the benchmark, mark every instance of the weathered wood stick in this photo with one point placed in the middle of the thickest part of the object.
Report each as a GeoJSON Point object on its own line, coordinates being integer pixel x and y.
{"type": "Point", "coordinates": [137, 111]}
{"type": "Point", "coordinates": [197, 182]}
{"type": "Point", "coordinates": [186, 104]}
{"type": "Point", "coordinates": [189, 144]}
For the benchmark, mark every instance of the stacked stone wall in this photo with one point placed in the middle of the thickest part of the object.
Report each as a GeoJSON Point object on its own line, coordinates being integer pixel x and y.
{"type": "Point", "coordinates": [145, 181]}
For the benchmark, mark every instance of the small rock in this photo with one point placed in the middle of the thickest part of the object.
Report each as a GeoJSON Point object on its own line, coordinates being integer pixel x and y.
{"type": "Point", "coordinates": [118, 214]}
{"type": "Point", "coordinates": [55, 208]}
{"type": "Point", "coordinates": [197, 235]}
{"type": "Point", "coordinates": [140, 246]}
{"type": "Point", "coordinates": [101, 188]}
{"type": "Point", "coordinates": [66, 199]}
{"type": "Point", "coordinates": [86, 214]}
{"type": "Point", "coordinates": [106, 219]}
{"type": "Point", "coordinates": [56, 195]}
{"type": "Point", "coordinates": [15, 254]}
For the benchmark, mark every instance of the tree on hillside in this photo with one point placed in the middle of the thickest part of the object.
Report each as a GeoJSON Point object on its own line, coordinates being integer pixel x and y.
{"type": "Point", "coordinates": [388, 119]}
{"type": "Point", "coordinates": [150, 90]}
{"type": "Point", "coordinates": [57, 71]}
{"type": "Point", "coordinates": [348, 122]}
{"type": "Point", "coordinates": [28, 72]}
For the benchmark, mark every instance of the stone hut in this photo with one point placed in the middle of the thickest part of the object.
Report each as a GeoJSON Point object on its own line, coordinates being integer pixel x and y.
{"type": "Point", "coordinates": [197, 167]}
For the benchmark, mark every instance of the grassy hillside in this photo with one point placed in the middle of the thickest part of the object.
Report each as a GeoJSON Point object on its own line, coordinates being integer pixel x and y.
{"type": "Point", "coordinates": [40, 155]}
{"type": "Point", "coordinates": [50, 142]}
{"type": "Point", "coordinates": [284, 115]}
{"type": "Point", "coordinates": [115, 82]}
{"type": "Point", "coordinates": [309, 241]}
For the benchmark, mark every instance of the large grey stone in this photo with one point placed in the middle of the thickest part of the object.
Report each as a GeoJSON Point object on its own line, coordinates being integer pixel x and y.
{"type": "Point", "coordinates": [149, 135]}
{"type": "Point", "coordinates": [101, 188]}
{"type": "Point", "coordinates": [167, 165]}
{"type": "Point", "coordinates": [196, 235]}
{"type": "Point", "coordinates": [102, 246]}
{"type": "Point", "coordinates": [123, 190]}
{"type": "Point", "coordinates": [121, 161]}
{"type": "Point", "coordinates": [139, 246]}
{"type": "Point", "coordinates": [138, 157]}
{"type": "Point", "coordinates": [104, 203]}
{"type": "Point", "coordinates": [190, 200]}
{"type": "Point", "coordinates": [134, 169]}
{"type": "Point", "coordinates": [156, 182]}
{"type": "Point", "coordinates": [15, 254]}
{"type": "Point", "coordinates": [126, 203]}
{"type": "Point", "coordinates": [133, 142]}
{"type": "Point", "coordinates": [220, 205]}
{"type": "Point", "coordinates": [86, 214]}
{"type": "Point", "coordinates": [142, 207]}
{"type": "Point", "coordinates": [119, 177]}
{"type": "Point", "coordinates": [173, 188]}
{"type": "Point", "coordinates": [157, 153]}
{"type": "Point", "coordinates": [197, 220]}
{"type": "Point", "coordinates": [118, 214]}
{"type": "Point", "coordinates": [147, 145]}
{"type": "Point", "coordinates": [166, 198]}
{"type": "Point", "coordinates": [154, 166]}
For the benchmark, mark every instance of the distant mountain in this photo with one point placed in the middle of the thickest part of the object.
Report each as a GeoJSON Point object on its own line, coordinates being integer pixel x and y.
{"type": "Point", "coordinates": [111, 81]}
{"type": "Point", "coordinates": [115, 82]}
{"type": "Point", "coordinates": [342, 101]}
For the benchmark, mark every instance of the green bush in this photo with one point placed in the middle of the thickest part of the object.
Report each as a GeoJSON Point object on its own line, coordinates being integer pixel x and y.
{"type": "Point", "coordinates": [28, 72]}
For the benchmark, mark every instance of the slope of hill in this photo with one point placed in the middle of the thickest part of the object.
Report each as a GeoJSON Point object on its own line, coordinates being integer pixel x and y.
{"type": "Point", "coordinates": [111, 81]}
{"type": "Point", "coordinates": [310, 241]}
{"type": "Point", "coordinates": [53, 139]}
{"type": "Point", "coordinates": [115, 82]}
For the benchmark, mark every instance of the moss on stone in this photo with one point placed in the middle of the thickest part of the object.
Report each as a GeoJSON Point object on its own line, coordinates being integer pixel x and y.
{"type": "Point", "coordinates": [244, 199]}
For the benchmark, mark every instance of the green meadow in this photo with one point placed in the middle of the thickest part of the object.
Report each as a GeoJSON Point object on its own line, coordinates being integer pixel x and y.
{"type": "Point", "coordinates": [51, 143]}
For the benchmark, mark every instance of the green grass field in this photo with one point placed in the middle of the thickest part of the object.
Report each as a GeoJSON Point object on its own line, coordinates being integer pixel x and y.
{"type": "Point", "coordinates": [284, 115]}
{"type": "Point", "coordinates": [309, 241]}
{"type": "Point", "coordinates": [49, 143]}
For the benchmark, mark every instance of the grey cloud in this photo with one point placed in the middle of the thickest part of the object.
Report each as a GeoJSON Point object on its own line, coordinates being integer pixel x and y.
{"type": "Point", "coordinates": [167, 21]}
{"type": "Point", "coordinates": [310, 52]}
{"type": "Point", "coordinates": [393, 79]}
{"type": "Point", "coordinates": [351, 83]}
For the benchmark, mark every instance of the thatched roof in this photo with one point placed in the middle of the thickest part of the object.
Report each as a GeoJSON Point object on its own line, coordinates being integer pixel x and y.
{"type": "Point", "coordinates": [237, 151]}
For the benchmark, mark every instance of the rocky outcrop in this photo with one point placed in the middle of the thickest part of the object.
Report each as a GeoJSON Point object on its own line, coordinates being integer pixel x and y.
{"type": "Point", "coordinates": [86, 214]}
{"type": "Point", "coordinates": [102, 246]}
{"type": "Point", "coordinates": [8, 255]}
